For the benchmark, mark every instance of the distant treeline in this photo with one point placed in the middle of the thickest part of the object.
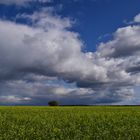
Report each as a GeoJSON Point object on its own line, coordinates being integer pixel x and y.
{"type": "Point", "coordinates": [99, 105]}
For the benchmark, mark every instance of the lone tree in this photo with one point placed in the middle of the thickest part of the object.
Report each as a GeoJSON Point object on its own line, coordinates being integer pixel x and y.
{"type": "Point", "coordinates": [53, 103]}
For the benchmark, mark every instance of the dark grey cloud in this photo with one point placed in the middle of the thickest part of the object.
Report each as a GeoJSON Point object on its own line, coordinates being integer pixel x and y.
{"type": "Point", "coordinates": [39, 93]}
{"type": "Point", "coordinates": [134, 69]}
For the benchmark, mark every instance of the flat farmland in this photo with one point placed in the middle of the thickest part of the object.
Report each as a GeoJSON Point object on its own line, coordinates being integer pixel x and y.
{"type": "Point", "coordinates": [70, 123]}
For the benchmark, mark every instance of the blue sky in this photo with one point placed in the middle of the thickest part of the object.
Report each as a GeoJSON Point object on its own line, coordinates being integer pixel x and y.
{"type": "Point", "coordinates": [76, 51]}
{"type": "Point", "coordinates": [96, 20]}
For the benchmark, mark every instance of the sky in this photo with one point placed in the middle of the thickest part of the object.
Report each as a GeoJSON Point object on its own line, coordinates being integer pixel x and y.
{"type": "Point", "coordinates": [74, 51]}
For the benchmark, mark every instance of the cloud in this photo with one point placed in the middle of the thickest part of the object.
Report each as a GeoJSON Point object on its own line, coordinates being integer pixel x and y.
{"type": "Point", "coordinates": [13, 99]}
{"type": "Point", "coordinates": [137, 18]}
{"type": "Point", "coordinates": [125, 43]}
{"type": "Point", "coordinates": [46, 19]}
{"type": "Point", "coordinates": [34, 58]}
{"type": "Point", "coordinates": [38, 93]}
{"type": "Point", "coordinates": [21, 2]}
{"type": "Point", "coordinates": [46, 52]}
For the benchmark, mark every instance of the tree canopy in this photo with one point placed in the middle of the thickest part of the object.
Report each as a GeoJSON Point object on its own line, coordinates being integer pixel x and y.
{"type": "Point", "coordinates": [53, 103]}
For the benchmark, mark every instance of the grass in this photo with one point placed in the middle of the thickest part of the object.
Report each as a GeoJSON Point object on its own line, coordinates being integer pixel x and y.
{"type": "Point", "coordinates": [70, 123]}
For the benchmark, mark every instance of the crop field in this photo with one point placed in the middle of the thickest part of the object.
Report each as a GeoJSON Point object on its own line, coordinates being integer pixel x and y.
{"type": "Point", "coordinates": [70, 123]}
